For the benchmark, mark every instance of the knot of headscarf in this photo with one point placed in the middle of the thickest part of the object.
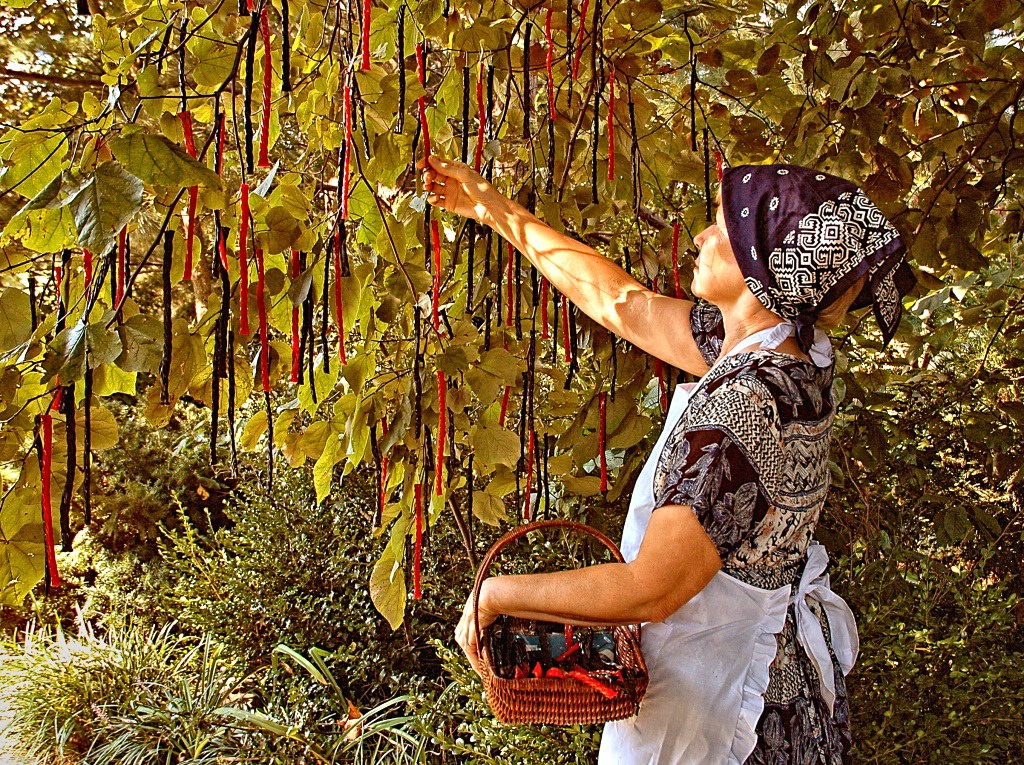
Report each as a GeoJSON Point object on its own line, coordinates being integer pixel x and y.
{"type": "Point", "coordinates": [803, 237]}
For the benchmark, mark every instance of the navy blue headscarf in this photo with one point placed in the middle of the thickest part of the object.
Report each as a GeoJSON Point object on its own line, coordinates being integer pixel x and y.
{"type": "Point", "coordinates": [803, 237]}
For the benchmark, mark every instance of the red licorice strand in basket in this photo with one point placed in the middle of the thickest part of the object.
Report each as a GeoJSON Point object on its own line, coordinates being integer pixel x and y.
{"type": "Point", "coordinates": [548, 59]}
{"type": "Point", "coordinates": [243, 261]}
{"type": "Point", "coordinates": [418, 543]}
{"type": "Point", "coordinates": [527, 503]}
{"type": "Point", "coordinates": [602, 434]}
{"type": "Point", "coordinates": [366, 36]}
{"type": "Point", "coordinates": [185, 117]}
{"type": "Point", "coordinates": [261, 306]}
{"type": "Point", "coordinates": [538, 671]}
{"type": "Point", "coordinates": [611, 129]}
{"type": "Point", "coordinates": [435, 298]}
{"type": "Point", "coordinates": [482, 117]}
{"type": "Point", "coordinates": [296, 356]}
{"type": "Point", "coordinates": [442, 431]}
{"type": "Point", "coordinates": [675, 260]}
{"type": "Point", "coordinates": [46, 474]}
{"type": "Point", "coordinates": [584, 677]}
{"type": "Point", "coordinates": [544, 290]}
{"type": "Point", "coordinates": [421, 74]}
{"type": "Point", "coordinates": [509, 286]}
{"type": "Point", "coordinates": [579, 39]}
{"type": "Point", "coordinates": [339, 305]}
{"type": "Point", "coordinates": [268, 81]}
{"type": "Point", "coordinates": [568, 652]}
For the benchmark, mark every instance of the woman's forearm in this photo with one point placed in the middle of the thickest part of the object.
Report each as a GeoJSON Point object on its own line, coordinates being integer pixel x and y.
{"type": "Point", "coordinates": [605, 594]}
{"type": "Point", "coordinates": [591, 281]}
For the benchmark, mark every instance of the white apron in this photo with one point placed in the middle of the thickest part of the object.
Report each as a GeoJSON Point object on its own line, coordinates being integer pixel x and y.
{"type": "Point", "coordinates": [709, 660]}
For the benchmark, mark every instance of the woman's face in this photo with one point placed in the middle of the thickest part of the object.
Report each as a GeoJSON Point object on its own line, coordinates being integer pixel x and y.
{"type": "Point", "coordinates": [716, 275]}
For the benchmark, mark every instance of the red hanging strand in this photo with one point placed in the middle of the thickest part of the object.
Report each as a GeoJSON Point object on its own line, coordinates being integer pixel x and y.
{"type": "Point", "coordinates": [46, 472]}
{"type": "Point", "coordinates": [675, 260]}
{"type": "Point", "coordinates": [243, 261]}
{"type": "Point", "coordinates": [418, 544]}
{"type": "Point", "coordinates": [611, 129]}
{"type": "Point", "coordinates": [482, 118]}
{"type": "Point", "coordinates": [602, 434]}
{"type": "Point", "coordinates": [579, 39]}
{"type": "Point", "coordinates": [504, 406]}
{"type": "Point", "coordinates": [544, 289]}
{"type": "Point", "coordinates": [296, 355]}
{"type": "Point", "coordinates": [268, 81]}
{"type": "Point", "coordinates": [366, 36]}
{"type": "Point", "coordinates": [442, 431]}
{"type": "Point", "coordinates": [87, 262]}
{"type": "Point", "coordinates": [527, 503]}
{"type": "Point", "coordinates": [548, 59]}
{"type": "Point", "coordinates": [435, 237]}
{"type": "Point", "coordinates": [718, 164]}
{"type": "Point", "coordinates": [185, 117]}
{"type": "Point", "coordinates": [261, 305]}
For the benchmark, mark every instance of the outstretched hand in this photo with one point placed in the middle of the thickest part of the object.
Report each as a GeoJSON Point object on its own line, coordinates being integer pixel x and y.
{"type": "Point", "coordinates": [456, 187]}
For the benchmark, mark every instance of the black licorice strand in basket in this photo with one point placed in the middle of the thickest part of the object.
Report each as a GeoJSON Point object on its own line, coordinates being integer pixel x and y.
{"type": "Point", "coordinates": [250, 63]}
{"type": "Point", "coordinates": [165, 361]}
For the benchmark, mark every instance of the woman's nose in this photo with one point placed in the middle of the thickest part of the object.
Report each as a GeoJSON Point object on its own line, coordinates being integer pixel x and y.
{"type": "Point", "coordinates": [699, 239]}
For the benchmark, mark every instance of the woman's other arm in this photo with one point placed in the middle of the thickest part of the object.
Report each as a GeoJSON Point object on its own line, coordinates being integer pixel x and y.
{"type": "Point", "coordinates": [656, 323]}
{"type": "Point", "coordinates": [675, 562]}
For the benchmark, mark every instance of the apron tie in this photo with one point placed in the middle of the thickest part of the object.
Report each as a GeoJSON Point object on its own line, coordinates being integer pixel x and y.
{"type": "Point", "coordinates": [814, 584]}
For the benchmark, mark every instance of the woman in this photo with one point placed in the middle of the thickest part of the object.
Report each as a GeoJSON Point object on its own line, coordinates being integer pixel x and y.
{"type": "Point", "coordinates": [746, 645]}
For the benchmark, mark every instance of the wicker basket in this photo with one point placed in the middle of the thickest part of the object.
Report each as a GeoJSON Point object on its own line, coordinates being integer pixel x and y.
{"type": "Point", "coordinates": [560, 700]}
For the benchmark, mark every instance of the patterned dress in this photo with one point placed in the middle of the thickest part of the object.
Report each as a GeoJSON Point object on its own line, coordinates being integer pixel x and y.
{"type": "Point", "coordinates": [750, 456]}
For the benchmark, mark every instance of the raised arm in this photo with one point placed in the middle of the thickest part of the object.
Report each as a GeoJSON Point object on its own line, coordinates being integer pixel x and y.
{"type": "Point", "coordinates": [656, 323]}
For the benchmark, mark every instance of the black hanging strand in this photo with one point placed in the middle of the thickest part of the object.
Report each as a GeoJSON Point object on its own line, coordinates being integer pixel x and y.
{"type": "Point", "coordinates": [634, 155]}
{"type": "Point", "coordinates": [707, 179]}
{"type": "Point", "coordinates": [526, 78]}
{"type": "Point", "coordinates": [465, 113]}
{"type": "Point", "coordinates": [549, 184]}
{"type": "Point", "coordinates": [489, 169]}
{"type": "Point", "coordinates": [165, 361]}
{"type": "Point", "coordinates": [33, 316]}
{"type": "Point", "coordinates": [693, 86]}
{"type": "Point", "coordinates": [182, 37]}
{"type": "Point", "coordinates": [487, 322]}
{"type": "Point", "coordinates": [325, 307]}
{"type": "Point", "coordinates": [87, 449]}
{"type": "Point", "coordinates": [401, 70]}
{"type": "Point", "coordinates": [417, 376]}
{"type": "Point", "coordinates": [270, 442]}
{"type": "Point", "coordinates": [519, 294]}
{"type": "Point", "coordinates": [471, 247]}
{"type": "Point", "coordinates": [112, 268]}
{"type": "Point", "coordinates": [82, 8]}
{"type": "Point", "coordinates": [569, 46]}
{"type": "Point", "coordinates": [67, 402]}
{"type": "Point", "coordinates": [286, 50]}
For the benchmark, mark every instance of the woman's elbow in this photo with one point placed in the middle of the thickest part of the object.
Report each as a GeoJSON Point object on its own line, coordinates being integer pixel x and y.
{"type": "Point", "coordinates": [674, 598]}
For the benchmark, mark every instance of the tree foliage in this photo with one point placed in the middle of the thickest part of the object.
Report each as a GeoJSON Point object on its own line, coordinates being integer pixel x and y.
{"type": "Point", "coordinates": [917, 103]}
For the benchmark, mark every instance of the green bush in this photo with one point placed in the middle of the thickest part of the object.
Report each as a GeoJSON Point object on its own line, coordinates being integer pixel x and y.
{"type": "Point", "coordinates": [129, 696]}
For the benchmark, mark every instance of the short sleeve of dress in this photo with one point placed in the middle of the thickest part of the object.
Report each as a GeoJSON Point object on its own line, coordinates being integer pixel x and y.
{"type": "Point", "coordinates": [725, 463]}
{"type": "Point", "coordinates": [708, 330]}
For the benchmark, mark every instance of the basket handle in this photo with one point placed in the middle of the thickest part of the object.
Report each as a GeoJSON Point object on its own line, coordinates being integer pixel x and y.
{"type": "Point", "coordinates": [521, 531]}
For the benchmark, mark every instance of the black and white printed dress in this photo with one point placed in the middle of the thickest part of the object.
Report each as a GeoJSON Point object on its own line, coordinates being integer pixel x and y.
{"type": "Point", "coordinates": [750, 456]}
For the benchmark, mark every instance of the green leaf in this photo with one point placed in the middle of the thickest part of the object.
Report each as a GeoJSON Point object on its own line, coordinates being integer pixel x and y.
{"type": "Point", "coordinates": [159, 162]}
{"type": "Point", "coordinates": [15, 318]}
{"type": "Point", "coordinates": [494, 445]}
{"type": "Point", "coordinates": [104, 204]}
{"type": "Point", "coordinates": [104, 428]}
{"type": "Point", "coordinates": [80, 344]}
{"type": "Point", "coordinates": [489, 508]}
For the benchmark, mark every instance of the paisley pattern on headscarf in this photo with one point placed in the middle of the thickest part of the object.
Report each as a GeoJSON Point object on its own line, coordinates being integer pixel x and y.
{"type": "Point", "coordinates": [803, 237]}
